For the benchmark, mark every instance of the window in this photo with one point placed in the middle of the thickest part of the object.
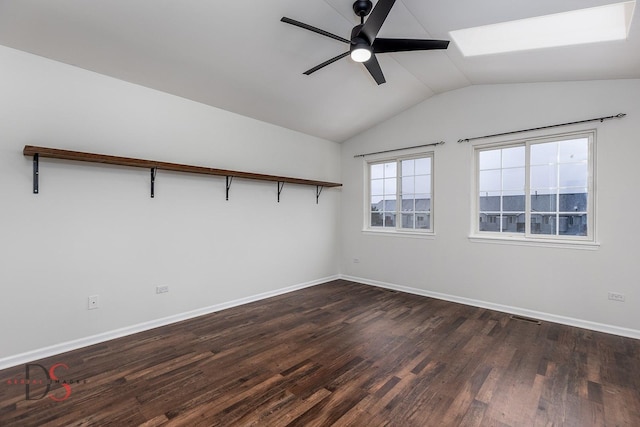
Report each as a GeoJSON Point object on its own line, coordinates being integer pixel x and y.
{"type": "Point", "coordinates": [400, 194]}
{"type": "Point", "coordinates": [536, 189]}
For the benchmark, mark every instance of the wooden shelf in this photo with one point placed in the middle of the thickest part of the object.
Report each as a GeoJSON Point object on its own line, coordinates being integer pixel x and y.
{"type": "Point", "coordinates": [55, 153]}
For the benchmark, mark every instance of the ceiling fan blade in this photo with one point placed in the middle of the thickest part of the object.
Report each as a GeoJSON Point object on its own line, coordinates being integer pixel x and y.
{"type": "Point", "coordinates": [374, 69]}
{"type": "Point", "coordinates": [314, 29]}
{"type": "Point", "coordinates": [325, 63]}
{"type": "Point", "coordinates": [376, 18]}
{"type": "Point", "coordinates": [405, 45]}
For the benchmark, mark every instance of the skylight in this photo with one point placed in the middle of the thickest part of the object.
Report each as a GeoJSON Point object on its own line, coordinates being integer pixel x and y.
{"type": "Point", "coordinates": [596, 24]}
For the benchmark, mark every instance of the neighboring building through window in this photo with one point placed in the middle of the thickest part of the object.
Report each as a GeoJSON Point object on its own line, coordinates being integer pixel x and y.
{"type": "Point", "coordinates": [400, 194]}
{"type": "Point", "coordinates": [537, 188]}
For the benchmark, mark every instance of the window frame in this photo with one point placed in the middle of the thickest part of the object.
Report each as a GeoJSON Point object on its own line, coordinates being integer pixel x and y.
{"type": "Point", "coordinates": [527, 238]}
{"type": "Point", "coordinates": [397, 230]}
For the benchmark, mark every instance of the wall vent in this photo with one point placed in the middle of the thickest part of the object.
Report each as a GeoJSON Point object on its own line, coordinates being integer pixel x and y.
{"type": "Point", "coordinates": [525, 319]}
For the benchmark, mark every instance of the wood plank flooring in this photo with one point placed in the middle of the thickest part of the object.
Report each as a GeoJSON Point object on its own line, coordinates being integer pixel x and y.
{"type": "Point", "coordinates": [341, 354]}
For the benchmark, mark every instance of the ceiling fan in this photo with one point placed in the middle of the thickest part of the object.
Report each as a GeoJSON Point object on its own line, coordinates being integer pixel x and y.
{"type": "Point", "coordinates": [363, 43]}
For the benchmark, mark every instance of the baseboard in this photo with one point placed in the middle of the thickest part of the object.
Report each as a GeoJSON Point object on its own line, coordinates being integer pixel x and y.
{"type": "Point", "coordinates": [579, 323]}
{"type": "Point", "coordinates": [22, 358]}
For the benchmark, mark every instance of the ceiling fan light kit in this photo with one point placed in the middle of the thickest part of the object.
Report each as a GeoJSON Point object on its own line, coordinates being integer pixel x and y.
{"type": "Point", "coordinates": [360, 53]}
{"type": "Point", "coordinates": [364, 44]}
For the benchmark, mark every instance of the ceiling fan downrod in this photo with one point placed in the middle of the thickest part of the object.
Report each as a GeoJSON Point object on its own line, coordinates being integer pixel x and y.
{"type": "Point", "coordinates": [362, 8]}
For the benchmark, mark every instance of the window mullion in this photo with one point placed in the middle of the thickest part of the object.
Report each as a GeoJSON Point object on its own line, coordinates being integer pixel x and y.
{"type": "Point", "coordinates": [398, 194]}
{"type": "Point", "coordinates": [557, 212]}
{"type": "Point", "coordinates": [527, 189]}
{"type": "Point", "coordinates": [591, 182]}
{"type": "Point", "coordinates": [501, 191]}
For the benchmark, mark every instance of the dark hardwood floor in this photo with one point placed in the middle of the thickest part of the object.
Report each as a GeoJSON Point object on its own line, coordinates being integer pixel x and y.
{"type": "Point", "coordinates": [340, 354]}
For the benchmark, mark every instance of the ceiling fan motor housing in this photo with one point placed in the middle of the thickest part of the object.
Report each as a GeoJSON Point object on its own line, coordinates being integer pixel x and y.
{"type": "Point", "coordinates": [359, 42]}
{"type": "Point", "coordinates": [359, 37]}
{"type": "Point", "coordinates": [362, 7]}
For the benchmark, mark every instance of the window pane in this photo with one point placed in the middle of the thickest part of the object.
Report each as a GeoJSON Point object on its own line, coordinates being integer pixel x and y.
{"type": "Point", "coordinates": [543, 224]}
{"type": "Point", "coordinates": [408, 167]}
{"type": "Point", "coordinates": [423, 184]}
{"type": "Point", "coordinates": [423, 202]}
{"type": "Point", "coordinates": [513, 222]}
{"type": "Point", "coordinates": [408, 186]}
{"type": "Point", "coordinates": [389, 219]}
{"type": "Point", "coordinates": [423, 221]}
{"type": "Point", "coordinates": [490, 202]}
{"type": "Point", "coordinates": [573, 175]}
{"type": "Point", "coordinates": [513, 201]}
{"type": "Point", "coordinates": [408, 220]}
{"type": "Point", "coordinates": [544, 154]}
{"type": "Point", "coordinates": [377, 202]}
{"type": "Point", "coordinates": [377, 171]}
{"type": "Point", "coordinates": [513, 179]}
{"type": "Point", "coordinates": [574, 150]}
{"type": "Point", "coordinates": [389, 205]}
{"type": "Point", "coordinates": [573, 225]}
{"type": "Point", "coordinates": [575, 201]}
{"type": "Point", "coordinates": [390, 186]}
{"type": "Point", "coordinates": [423, 166]}
{"type": "Point", "coordinates": [490, 180]}
{"type": "Point", "coordinates": [377, 187]}
{"type": "Point", "coordinates": [489, 159]}
{"type": "Point", "coordinates": [543, 176]}
{"type": "Point", "coordinates": [513, 157]}
{"type": "Point", "coordinates": [376, 219]}
{"type": "Point", "coordinates": [390, 169]}
{"type": "Point", "coordinates": [543, 202]}
{"type": "Point", "coordinates": [489, 222]}
{"type": "Point", "coordinates": [408, 203]}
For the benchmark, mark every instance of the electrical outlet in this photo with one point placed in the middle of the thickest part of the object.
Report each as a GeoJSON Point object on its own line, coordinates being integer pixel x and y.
{"type": "Point", "coordinates": [94, 302]}
{"type": "Point", "coordinates": [162, 289]}
{"type": "Point", "coordinates": [615, 296]}
{"type": "Point", "coordinates": [356, 260]}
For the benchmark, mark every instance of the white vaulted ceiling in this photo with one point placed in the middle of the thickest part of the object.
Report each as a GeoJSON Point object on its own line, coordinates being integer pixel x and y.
{"type": "Point", "coordinates": [238, 56]}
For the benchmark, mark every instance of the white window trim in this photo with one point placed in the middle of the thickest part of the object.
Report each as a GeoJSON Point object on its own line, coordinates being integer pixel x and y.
{"type": "Point", "coordinates": [396, 232]}
{"type": "Point", "coordinates": [589, 242]}
{"type": "Point", "coordinates": [425, 234]}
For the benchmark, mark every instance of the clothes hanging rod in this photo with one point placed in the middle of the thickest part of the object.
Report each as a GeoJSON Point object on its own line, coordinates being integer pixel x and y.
{"type": "Point", "coordinates": [400, 149]}
{"type": "Point", "coordinates": [598, 119]}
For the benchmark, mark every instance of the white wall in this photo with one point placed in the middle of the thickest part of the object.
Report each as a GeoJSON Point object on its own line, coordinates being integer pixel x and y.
{"type": "Point", "coordinates": [94, 229]}
{"type": "Point", "coordinates": [568, 285]}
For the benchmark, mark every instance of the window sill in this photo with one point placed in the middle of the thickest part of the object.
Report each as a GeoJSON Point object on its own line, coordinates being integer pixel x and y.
{"type": "Point", "coordinates": [396, 233]}
{"type": "Point", "coordinates": [548, 243]}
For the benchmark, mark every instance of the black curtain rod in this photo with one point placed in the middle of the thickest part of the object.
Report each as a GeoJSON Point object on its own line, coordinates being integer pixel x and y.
{"type": "Point", "coordinates": [400, 149]}
{"type": "Point", "coordinates": [599, 119]}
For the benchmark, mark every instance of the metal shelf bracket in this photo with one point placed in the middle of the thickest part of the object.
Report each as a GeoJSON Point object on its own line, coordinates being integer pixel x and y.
{"type": "Point", "coordinates": [153, 181]}
{"type": "Point", "coordinates": [318, 192]}
{"type": "Point", "coordinates": [36, 172]}
{"type": "Point", "coordinates": [280, 187]}
{"type": "Point", "coordinates": [229, 179]}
